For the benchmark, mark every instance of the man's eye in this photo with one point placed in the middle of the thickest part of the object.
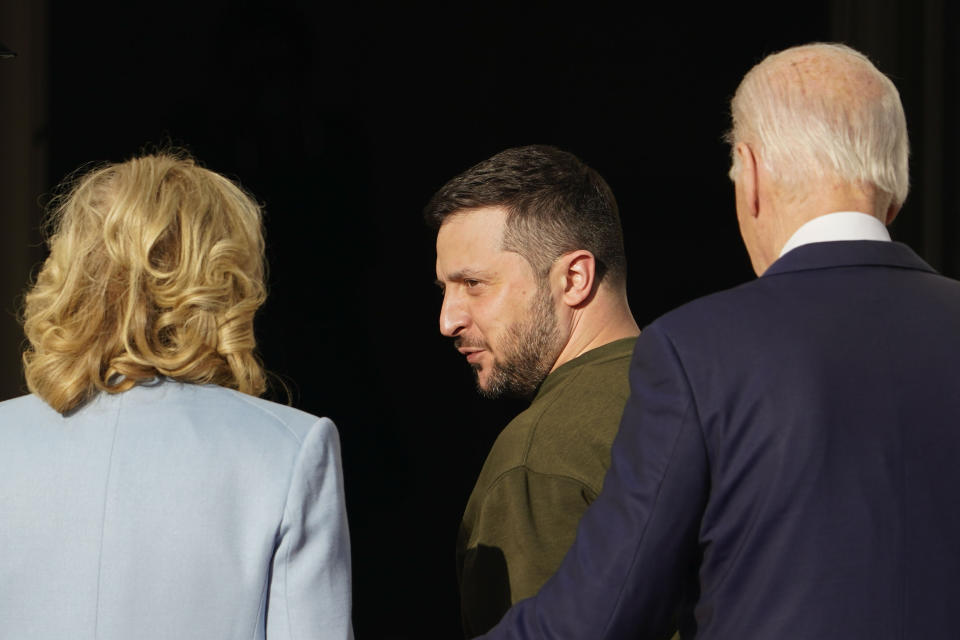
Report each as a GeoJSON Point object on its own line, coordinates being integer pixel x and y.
{"type": "Point", "coordinates": [470, 284]}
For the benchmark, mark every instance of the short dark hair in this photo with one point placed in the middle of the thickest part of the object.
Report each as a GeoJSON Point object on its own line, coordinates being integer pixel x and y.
{"type": "Point", "coordinates": [555, 203]}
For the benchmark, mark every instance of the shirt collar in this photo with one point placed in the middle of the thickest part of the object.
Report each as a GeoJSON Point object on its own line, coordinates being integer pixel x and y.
{"type": "Point", "coordinates": [842, 225]}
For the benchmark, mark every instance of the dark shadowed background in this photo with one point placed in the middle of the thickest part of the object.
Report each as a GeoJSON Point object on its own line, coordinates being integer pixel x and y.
{"type": "Point", "coordinates": [344, 120]}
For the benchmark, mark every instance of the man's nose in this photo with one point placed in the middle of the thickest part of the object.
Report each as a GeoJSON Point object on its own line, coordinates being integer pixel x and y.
{"type": "Point", "coordinates": [453, 316]}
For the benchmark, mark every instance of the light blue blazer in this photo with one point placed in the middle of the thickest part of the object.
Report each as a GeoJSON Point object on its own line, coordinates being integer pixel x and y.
{"type": "Point", "coordinates": [171, 511]}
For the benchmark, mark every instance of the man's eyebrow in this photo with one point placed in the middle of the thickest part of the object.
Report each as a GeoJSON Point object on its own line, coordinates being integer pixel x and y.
{"type": "Point", "coordinates": [464, 274]}
{"type": "Point", "coordinates": [467, 274]}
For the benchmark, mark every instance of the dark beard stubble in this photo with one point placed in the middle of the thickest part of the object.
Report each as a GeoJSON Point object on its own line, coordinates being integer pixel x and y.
{"type": "Point", "coordinates": [531, 347]}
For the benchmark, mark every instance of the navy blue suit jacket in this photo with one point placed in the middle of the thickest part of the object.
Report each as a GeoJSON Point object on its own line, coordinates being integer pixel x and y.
{"type": "Point", "coordinates": [788, 466]}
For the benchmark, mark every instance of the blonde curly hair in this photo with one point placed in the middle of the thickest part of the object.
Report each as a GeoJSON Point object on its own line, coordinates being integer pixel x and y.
{"type": "Point", "coordinates": [156, 268]}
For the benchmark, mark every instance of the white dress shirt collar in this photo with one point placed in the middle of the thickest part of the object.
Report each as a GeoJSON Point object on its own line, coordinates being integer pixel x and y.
{"type": "Point", "coordinates": [842, 225]}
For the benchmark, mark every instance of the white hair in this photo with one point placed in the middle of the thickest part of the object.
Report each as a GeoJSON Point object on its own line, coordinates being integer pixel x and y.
{"type": "Point", "coordinates": [823, 111]}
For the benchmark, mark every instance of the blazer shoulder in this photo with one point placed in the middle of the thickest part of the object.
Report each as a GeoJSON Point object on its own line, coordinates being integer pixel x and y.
{"type": "Point", "coordinates": [25, 404]}
{"type": "Point", "coordinates": [26, 410]}
{"type": "Point", "coordinates": [236, 411]}
{"type": "Point", "coordinates": [297, 422]}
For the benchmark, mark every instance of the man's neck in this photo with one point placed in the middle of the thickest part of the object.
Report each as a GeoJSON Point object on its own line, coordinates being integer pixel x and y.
{"type": "Point", "coordinates": [604, 319]}
{"type": "Point", "coordinates": [825, 199]}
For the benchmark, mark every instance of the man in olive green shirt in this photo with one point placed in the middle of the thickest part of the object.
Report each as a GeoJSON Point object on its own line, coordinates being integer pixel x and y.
{"type": "Point", "coordinates": [531, 262]}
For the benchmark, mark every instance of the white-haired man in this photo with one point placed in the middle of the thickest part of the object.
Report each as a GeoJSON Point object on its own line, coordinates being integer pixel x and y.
{"type": "Point", "coordinates": [786, 466]}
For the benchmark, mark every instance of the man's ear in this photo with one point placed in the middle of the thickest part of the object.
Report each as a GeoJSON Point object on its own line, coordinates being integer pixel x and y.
{"type": "Point", "coordinates": [578, 270]}
{"type": "Point", "coordinates": [748, 179]}
{"type": "Point", "coordinates": [892, 212]}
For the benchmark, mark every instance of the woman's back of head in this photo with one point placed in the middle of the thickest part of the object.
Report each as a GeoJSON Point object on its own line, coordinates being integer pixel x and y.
{"type": "Point", "coordinates": [156, 269]}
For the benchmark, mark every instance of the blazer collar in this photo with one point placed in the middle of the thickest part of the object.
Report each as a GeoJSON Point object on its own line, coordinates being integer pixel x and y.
{"type": "Point", "coordinates": [848, 253]}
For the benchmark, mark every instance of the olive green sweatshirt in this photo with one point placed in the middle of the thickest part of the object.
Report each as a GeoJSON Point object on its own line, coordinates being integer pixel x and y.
{"type": "Point", "coordinates": [543, 471]}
